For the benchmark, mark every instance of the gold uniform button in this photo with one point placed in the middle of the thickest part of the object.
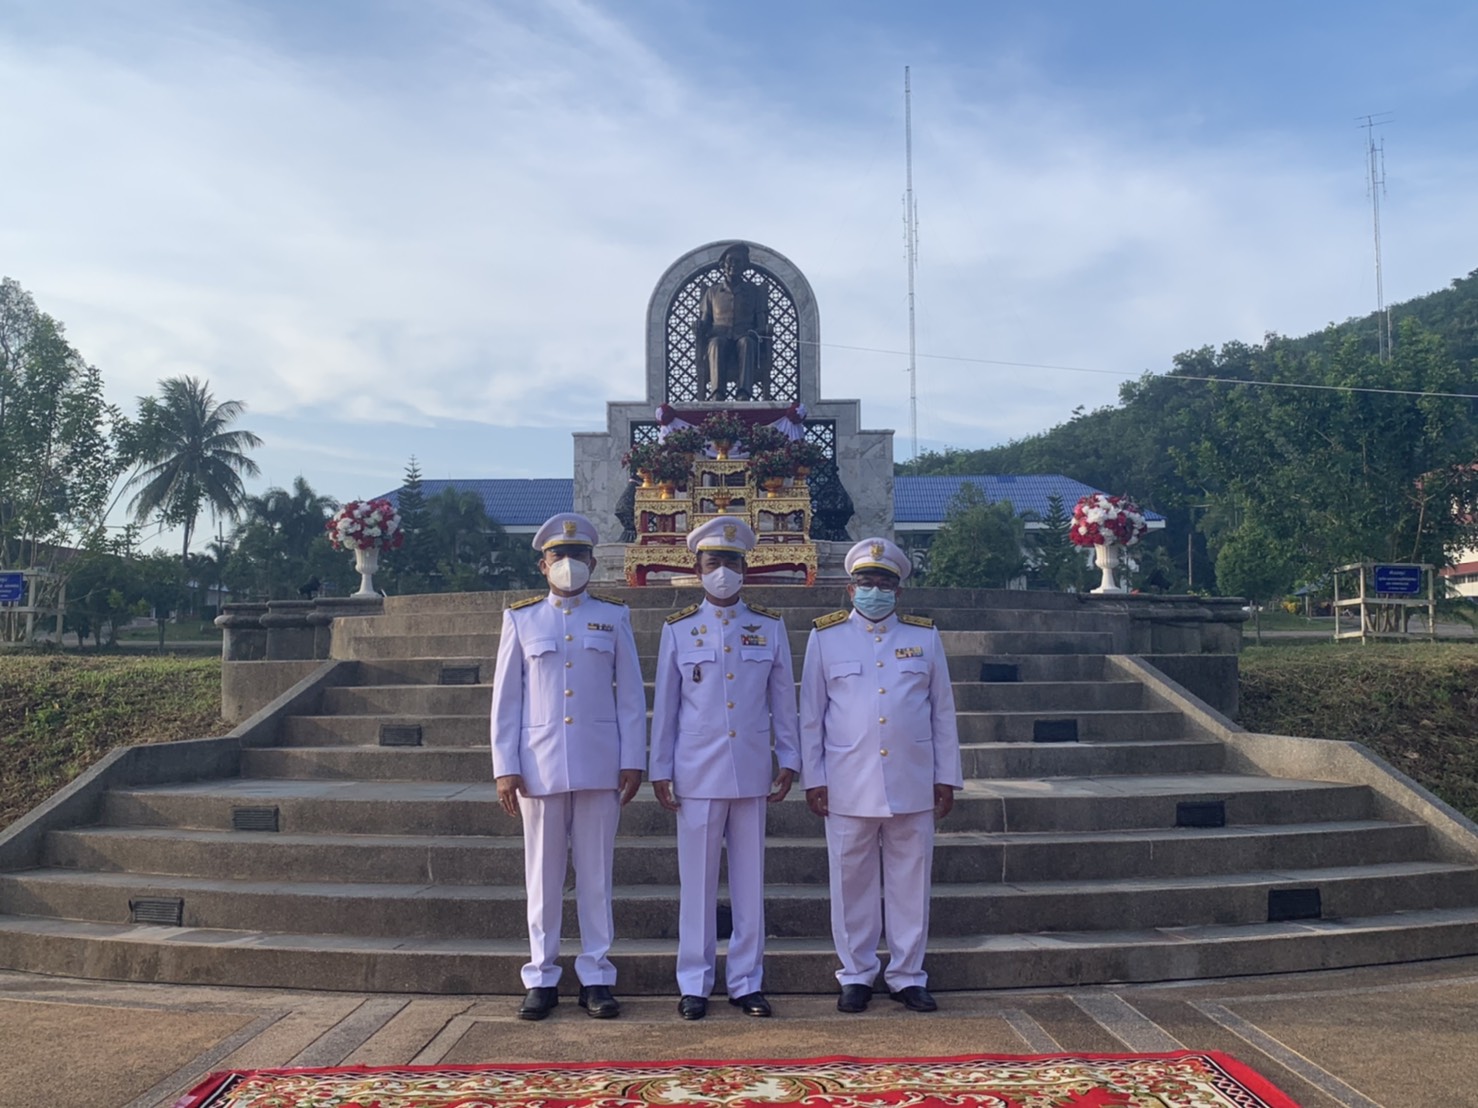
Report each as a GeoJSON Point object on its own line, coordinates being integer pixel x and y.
{"type": "Point", "coordinates": [569, 638]}
{"type": "Point", "coordinates": [880, 665]}
{"type": "Point", "coordinates": [869, 627]}
{"type": "Point", "coordinates": [732, 734]}
{"type": "Point", "coordinates": [730, 704]}
{"type": "Point", "coordinates": [569, 665]}
{"type": "Point", "coordinates": [569, 692]}
{"type": "Point", "coordinates": [884, 752]}
{"type": "Point", "coordinates": [882, 719]}
{"type": "Point", "coordinates": [882, 690]}
{"type": "Point", "coordinates": [728, 650]}
{"type": "Point", "coordinates": [877, 638]}
{"type": "Point", "coordinates": [730, 676]}
{"type": "Point", "coordinates": [569, 719]}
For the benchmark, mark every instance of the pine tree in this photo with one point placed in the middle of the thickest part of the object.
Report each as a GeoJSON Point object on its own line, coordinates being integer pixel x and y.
{"type": "Point", "coordinates": [412, 564]}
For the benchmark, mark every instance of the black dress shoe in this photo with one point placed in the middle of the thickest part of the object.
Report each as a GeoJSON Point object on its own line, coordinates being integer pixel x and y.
{"type": "Point", "coordinates": [854, 998]}
{"type": "Point", "coordinates": [538, 1003]}
{"type": "Point", "coordinates": [751, 1004]}
{"type": "Point", "coordinates": [915, 998]}
{"type": "Point", "coordinates": [692, 1007]}
{"type": "Point", "coordinates": [598, 1001]}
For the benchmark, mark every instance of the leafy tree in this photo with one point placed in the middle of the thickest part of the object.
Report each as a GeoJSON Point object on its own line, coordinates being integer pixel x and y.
{"type": "Point", "coordinates": [414, 563]}
{"type": "Point", "coordinates": [1056, 562]}
{"type": "Point", "coordinates": [281, 543]}
{"type": "Point", "coordinates": [981, 545]}
{"type": "Point", "coordinates": [1253, 564]}
{"type": "Point", "coordinates": [187, 458]}
{"type": "Point", "coordinates": [59, 440]}
{"type": "Point", "coordinates": [161, 588]}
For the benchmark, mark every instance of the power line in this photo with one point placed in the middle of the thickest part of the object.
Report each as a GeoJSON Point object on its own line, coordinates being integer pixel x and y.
{"type": "Point", "coordinates": [1160, 376]}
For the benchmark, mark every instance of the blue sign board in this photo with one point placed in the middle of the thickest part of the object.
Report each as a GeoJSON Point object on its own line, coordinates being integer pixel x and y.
{"type": "Point", "coordinates": [1398, 580]}
{"type": "Point", "coordinates": [12, 588]}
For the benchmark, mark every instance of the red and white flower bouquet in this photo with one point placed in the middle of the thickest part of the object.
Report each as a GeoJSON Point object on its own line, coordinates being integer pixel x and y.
{"type": "Point", "coordinates": [366, 525]}
{"type": "Point", "coordinates": [1099, 519]}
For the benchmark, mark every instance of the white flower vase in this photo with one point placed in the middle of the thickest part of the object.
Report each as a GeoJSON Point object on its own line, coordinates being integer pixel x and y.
{"type": "Point", "coordinates": [1106, 557]}
{"type": "Point", "coordinates": [366, 561]}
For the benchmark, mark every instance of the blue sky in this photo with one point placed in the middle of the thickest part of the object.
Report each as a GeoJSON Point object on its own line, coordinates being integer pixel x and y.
{"type": "Point", "coordinates": [432, 226]}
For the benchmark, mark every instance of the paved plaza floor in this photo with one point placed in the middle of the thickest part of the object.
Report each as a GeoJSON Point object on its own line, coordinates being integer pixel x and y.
{"type": "Point", "coordinates": [1394, 1036]}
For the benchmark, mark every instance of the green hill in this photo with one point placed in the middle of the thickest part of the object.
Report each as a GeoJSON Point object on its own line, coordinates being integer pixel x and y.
{"type": "Point", "coordinates": [1305, 477]}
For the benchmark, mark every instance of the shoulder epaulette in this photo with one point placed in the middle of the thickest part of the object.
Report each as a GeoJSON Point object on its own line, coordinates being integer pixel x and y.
{"type": "Point", "coordinates": [761, 610]}
{"type": "Point", "coordinates": [524, 603]}
{"type": "Point", "coordinates": [831, 619]}
{"type": "Point", "coordinates": [684, 614]}
{"type": "Point", "coordinates": [916, 621]}
{"type": "Point", "coordinates": [606, 599]}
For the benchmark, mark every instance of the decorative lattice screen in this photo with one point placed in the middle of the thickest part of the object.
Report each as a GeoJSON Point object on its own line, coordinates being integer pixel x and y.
{"type": "Point", "coordinates": [823, 432]}
{"type": "Point", "coordinates": [685, 379]}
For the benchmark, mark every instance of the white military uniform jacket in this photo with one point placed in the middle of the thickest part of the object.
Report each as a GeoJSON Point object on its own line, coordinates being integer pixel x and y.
{"type": "Point", "coordinates": [877, 714]}
{"type": "Point", "coordinates": [724, 679]}
{"type": "Point", "coordinates": [569, 709]}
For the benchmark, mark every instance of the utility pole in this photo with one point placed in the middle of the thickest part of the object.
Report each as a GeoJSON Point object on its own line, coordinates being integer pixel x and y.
{"type": "Point", "coordinates": [911, 247]}
{"type": "Point", "coordinates": [1375, 183]}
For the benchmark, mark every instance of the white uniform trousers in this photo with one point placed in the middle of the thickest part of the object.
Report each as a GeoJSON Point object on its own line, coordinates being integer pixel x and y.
{"type": "Point", "coordinates": [855, 845]}
{"type": "Point", "coordinates": [578, 826]}
{"type": "Point", "coordinates": [702, 827]}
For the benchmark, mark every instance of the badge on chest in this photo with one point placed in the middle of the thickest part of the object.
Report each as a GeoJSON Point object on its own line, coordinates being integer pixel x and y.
{"type": "Point", "coordinates": [599, 627]}
{"type": "Point", "coordinates": [909, 652]}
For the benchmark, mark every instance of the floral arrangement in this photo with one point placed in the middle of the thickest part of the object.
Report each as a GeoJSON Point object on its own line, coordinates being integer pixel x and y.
{"type": "Point", "coordinates": [724, 426]}
{"type": "Point", "coordinates": [771, 464]}
{"type": "Point", "coordinates": [366, 525]}
{"type": "Point", "coordinates": [806, 454]}
{"type": "Point", "coordinates": [640, 456]}
{"type": "Point", "coordinates": [688, 440]}
{"type": "Point", "coordinates": [1099, 519]}
{"type": "Point", "coordinates": [762, 439]}
{"type": "Point", "coordinates": [671, 466]}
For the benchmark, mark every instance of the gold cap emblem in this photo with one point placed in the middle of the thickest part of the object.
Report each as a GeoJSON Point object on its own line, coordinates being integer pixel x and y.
{"type": "Point", "coordinates": [729, 532]}
{"type": "Point", "coordinates": [569, 528]}
{"type": "Point", "coordinates": [877, 550]}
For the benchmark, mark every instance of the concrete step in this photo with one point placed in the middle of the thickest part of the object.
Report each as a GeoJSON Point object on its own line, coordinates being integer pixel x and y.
{"type": "Point", "coordinates": [393, 964]}
{"type": "Point", "coordinates": [470, 808]}
{"type": "Point", "coordinates": [456, 700]}
{"type": "Point", "coordinates": [650, 911]}
{"type": "Point", "coordinates": [359, 641]}
{"type": "Point", "coordinates": [959, 856]}
{"type": "Point", "coordinates": [651, 620]}
{"type": "Point", "coordinates": [962, 667]}
{"type": "Point", "coordinates": [666, 599]}
{"type": "Point", "coordinates": [473, 762]}
{"type": "Point", "coordinates": [365, 731]}
{"type": "Point", "coordinates": [1092, 727]}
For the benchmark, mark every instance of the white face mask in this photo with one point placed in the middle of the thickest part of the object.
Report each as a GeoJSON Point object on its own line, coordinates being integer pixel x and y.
{"type": "Point", "coordinates": [569, 575]}
{"type": "Point", "coordinates": [723, 582]}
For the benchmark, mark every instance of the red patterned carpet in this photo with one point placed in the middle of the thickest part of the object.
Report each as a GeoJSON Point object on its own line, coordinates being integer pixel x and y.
{"type": "Point", "coordinates": [1185, 1079]}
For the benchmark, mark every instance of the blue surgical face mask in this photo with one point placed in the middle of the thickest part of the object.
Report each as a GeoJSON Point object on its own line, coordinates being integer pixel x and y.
{"type": "Point", "coordinates": [872, 602]}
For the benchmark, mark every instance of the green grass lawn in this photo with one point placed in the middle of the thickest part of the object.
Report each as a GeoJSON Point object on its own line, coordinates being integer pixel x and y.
{"type": "Point", "coordinates": [60, 713]}
{"type": "Point", "coordinates": [1413, 703]}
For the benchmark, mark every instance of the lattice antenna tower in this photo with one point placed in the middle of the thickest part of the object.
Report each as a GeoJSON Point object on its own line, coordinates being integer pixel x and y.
{"type": "Point", "coordinates": [911, 248]}
{"type": "Point", "coordinates": [1375, 183]}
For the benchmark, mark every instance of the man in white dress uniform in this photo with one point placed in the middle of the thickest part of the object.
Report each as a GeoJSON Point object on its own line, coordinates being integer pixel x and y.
{"type": "Point", "coordinates": [724, 681]}
{"type": "Point", "coordinates": [569, 742]}
{"type": "Point", "coordinates": [881, 761]}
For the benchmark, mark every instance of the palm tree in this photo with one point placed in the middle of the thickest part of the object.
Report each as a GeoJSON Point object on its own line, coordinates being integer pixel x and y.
{"type": "Point", "coordinates": [186, 457]}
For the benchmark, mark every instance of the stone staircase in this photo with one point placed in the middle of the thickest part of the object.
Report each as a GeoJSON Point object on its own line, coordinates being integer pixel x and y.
{"type": "Point", "coordinates": [1106, 833]}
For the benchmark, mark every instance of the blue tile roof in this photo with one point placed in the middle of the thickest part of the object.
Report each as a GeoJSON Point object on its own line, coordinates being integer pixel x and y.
{"type": "Point", "coordinates": [511, 501]}
{"type": "Point", "coordinates": [927, 499]}
{"type": "Point", "coordinates": [529, 501]}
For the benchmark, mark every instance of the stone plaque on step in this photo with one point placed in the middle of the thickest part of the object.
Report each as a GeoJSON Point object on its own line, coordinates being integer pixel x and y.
{"type": "Point", "coordinates": [458, 675]}
{"type": "Point", "coordinates": [166, 910]}
{"type": "Point", "coordinates": [1287, 904]}
{"type": "Point", "coordinates": [254, 819]}
{"type": "Point", "coordinates": [1201, 813]}
{"type": "Point", "coordinates": [999, 671]}
{"type": "Point", "coordinates": [1055, 731]}
{"type": "Point", "coordinates": [400, 734]}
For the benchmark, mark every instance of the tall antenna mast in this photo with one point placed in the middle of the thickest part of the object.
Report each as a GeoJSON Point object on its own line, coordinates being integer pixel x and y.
{"type": "Point", "coordinates": [911, 247]}
{"type": "Point", "coordinates": [1375, 181]}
